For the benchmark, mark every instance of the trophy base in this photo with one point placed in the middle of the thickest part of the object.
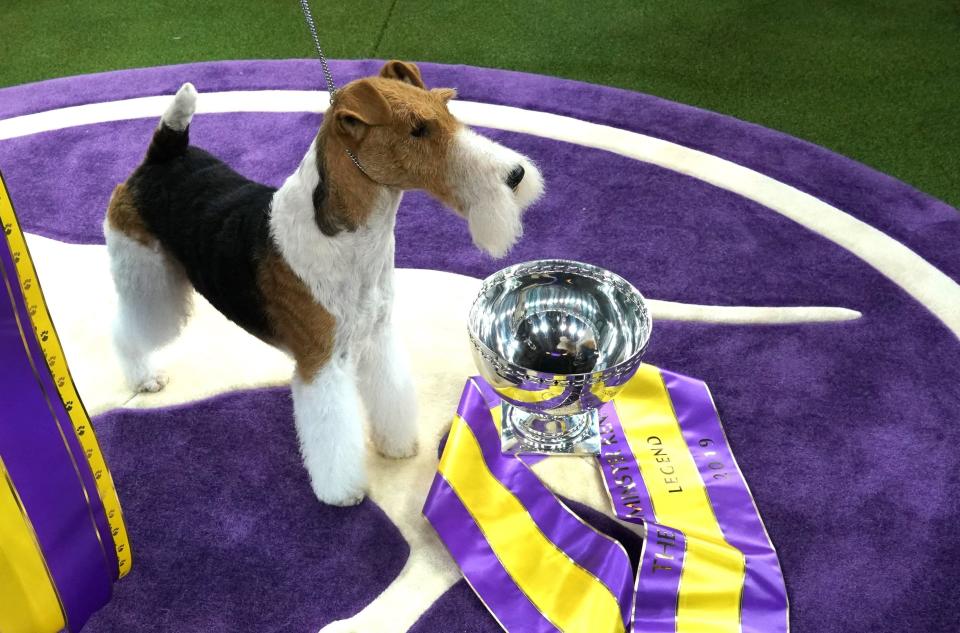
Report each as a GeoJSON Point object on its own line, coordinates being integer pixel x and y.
{"type": "Point", "coordinates": [525, 433]}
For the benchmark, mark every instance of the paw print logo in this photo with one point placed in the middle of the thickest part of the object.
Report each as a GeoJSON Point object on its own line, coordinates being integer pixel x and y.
{"type": "Point", "coordinates": [82, 429]}
{"type": "Point", "coordinates": [45, 335]}
{"type": "Point", "coordinates": [33, 310]}
{"type": "Point", "coordinates": [97, 475]}
{"type": "Point", "coordinates": [51, 361]}
{"type": "Point", "coordinates": [8, 228]}
{"type": "Point", "coordinates": [68, 405]}
{"type": "Point", "coordinates": [89, 453]}
{"type": "Point", "coordinates": [28, 283]}
{"type": "Point", "coordinates": [16, 257]}
{"type": "Point", "coordinates": [61, 381]}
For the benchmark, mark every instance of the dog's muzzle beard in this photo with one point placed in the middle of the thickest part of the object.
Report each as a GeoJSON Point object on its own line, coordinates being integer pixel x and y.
{"type": "Point", "coordinates": [492, 186]}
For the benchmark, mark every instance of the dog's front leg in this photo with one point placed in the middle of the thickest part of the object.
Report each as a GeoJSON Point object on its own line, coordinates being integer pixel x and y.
{"type": "Point", "coordinates": [327, 415]}
{"type": "Point", "coordinates": [388, 394]}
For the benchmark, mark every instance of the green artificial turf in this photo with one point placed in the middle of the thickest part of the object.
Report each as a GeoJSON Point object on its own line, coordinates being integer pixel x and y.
{"type": "Point", "coordinates": [878, 81]}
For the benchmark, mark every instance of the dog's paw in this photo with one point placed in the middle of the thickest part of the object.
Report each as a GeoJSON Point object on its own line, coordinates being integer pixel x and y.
{"type": "Point", "coordinates": [397, 449]}
{"type": "Point", "coordinates": [396, 438]}
{"type": "Point", "coordinates": [352, 501]}
{"type": "Point", "coordinates": [341, 489]}
{"type": "Point", "coordinates": [153, 384]}
{"type": "Point", "coordinates": [344, 500]}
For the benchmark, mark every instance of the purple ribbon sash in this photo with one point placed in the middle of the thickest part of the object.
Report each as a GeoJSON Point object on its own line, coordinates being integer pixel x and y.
{"type": "Point", "coordinates": [494, 552]}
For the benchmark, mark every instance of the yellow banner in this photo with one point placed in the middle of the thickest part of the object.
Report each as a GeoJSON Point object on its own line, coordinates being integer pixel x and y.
{"type": "Point", "coordinates": [29, 599]}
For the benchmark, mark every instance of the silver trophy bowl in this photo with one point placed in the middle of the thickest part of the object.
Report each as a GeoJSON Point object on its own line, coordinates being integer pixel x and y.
{"type": "Point", "coordinates": [556, 339]}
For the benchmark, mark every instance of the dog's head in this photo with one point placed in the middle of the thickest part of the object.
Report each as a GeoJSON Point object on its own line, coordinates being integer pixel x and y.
{"type": "Point", "coordinates": [404, 136]}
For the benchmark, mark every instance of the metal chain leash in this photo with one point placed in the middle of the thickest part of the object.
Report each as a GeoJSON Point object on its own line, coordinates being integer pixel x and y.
{"type": "Point", "coordinates": [308, 16]}
{"type": "Point", "coordinates": [327, 75]}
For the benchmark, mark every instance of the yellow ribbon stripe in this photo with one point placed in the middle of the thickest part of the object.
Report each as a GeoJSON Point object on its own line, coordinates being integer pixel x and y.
{"type": "Point", "coordinates": [28, 599]}
{"type": "Point", "coordinates": [567, 595]}
{"type": "Point", "coordinates": [532, 397]}
{"type": "Point", "coordinates": [53, 353]}
{"type": "Point", "coordinates": [711, 583]}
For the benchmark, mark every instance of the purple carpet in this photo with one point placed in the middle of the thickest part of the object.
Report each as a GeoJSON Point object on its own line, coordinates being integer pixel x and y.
{"type": "Point", "coordinates": [846, 432]}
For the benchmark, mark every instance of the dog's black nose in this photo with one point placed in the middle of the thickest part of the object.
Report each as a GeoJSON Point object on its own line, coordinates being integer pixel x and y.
{"type": "Point", "coordinates": [515, 176]}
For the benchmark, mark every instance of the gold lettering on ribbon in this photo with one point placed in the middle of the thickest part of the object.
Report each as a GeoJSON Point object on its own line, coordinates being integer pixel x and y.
{"type": "Point", "coordinates": [666, 468]}
{"type": "Point", "coordinates": [626, 487]}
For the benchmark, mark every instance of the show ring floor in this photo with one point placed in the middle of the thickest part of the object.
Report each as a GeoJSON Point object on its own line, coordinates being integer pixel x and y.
{"type": "Point", "coordinates": [833, 359]}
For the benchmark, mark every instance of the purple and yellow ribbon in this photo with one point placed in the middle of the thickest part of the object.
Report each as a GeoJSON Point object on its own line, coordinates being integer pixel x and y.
{"type": "Point", "coordinates": [707, 564]}
{"type": "Point", "coordinates": [63, 541]}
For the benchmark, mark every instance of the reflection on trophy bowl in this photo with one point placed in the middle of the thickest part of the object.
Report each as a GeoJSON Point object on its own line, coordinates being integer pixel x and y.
{"type": "Point", "coordinates": [556, 339]}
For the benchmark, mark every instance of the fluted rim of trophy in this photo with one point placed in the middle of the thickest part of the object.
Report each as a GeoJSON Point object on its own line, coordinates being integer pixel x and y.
{"type": "Point", "coordinates": [512, 371]}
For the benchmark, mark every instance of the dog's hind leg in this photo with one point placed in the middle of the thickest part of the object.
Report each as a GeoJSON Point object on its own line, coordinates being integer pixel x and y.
{"type": "Point", "coordinates": [154, 301]}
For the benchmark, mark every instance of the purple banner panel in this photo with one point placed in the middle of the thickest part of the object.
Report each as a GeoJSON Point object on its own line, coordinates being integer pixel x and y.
{"type": "Point", "coordinates": [764, 608]}
{"type": "Point", "coordinates": [35, 436]}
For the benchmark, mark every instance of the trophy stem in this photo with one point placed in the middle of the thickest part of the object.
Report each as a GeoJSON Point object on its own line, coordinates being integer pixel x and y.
{"type": "Point", "coordinates": [526, 433]}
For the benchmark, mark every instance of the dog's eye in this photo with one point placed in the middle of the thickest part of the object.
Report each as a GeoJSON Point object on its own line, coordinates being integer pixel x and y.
{"type": "Point", "coordinates": [419, 131]}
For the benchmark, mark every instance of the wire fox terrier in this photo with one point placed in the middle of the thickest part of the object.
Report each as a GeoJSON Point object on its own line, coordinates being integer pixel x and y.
{"type": "Point", "coordinates": [308, 267]}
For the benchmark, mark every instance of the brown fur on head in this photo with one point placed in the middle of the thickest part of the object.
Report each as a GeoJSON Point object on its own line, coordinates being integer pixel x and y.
{"type": "Point", "coordinates": [405, 137]}
{"type": "Point", "coordinates": [400, 131]}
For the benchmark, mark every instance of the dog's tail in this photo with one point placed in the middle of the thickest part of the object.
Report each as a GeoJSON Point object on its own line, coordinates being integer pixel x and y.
{"type": "Point", "coordinates": [172, 136]}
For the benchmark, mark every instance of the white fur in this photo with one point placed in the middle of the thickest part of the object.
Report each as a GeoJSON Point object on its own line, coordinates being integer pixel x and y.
{"type": "Point", "coordinates": [389, 395]}
{"type": "Point", "coordinates": [180, 111]}
{"type": "Point", "coordinates": [479, 169]}
{"type": "Point", "coordinates": [351, 276]}
{"type": "Point", "coordinates": [154, 302]}
{"type": "Point", "coordinates": [327, 416]}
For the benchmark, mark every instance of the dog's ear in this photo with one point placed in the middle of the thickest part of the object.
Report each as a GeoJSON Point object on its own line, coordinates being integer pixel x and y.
{"type": "Point", "coordinates": [360, 106]}
{"type": "Point", "coordinates": [444, 93]}
{"type": "Point", "coordinates": [403, 71]}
